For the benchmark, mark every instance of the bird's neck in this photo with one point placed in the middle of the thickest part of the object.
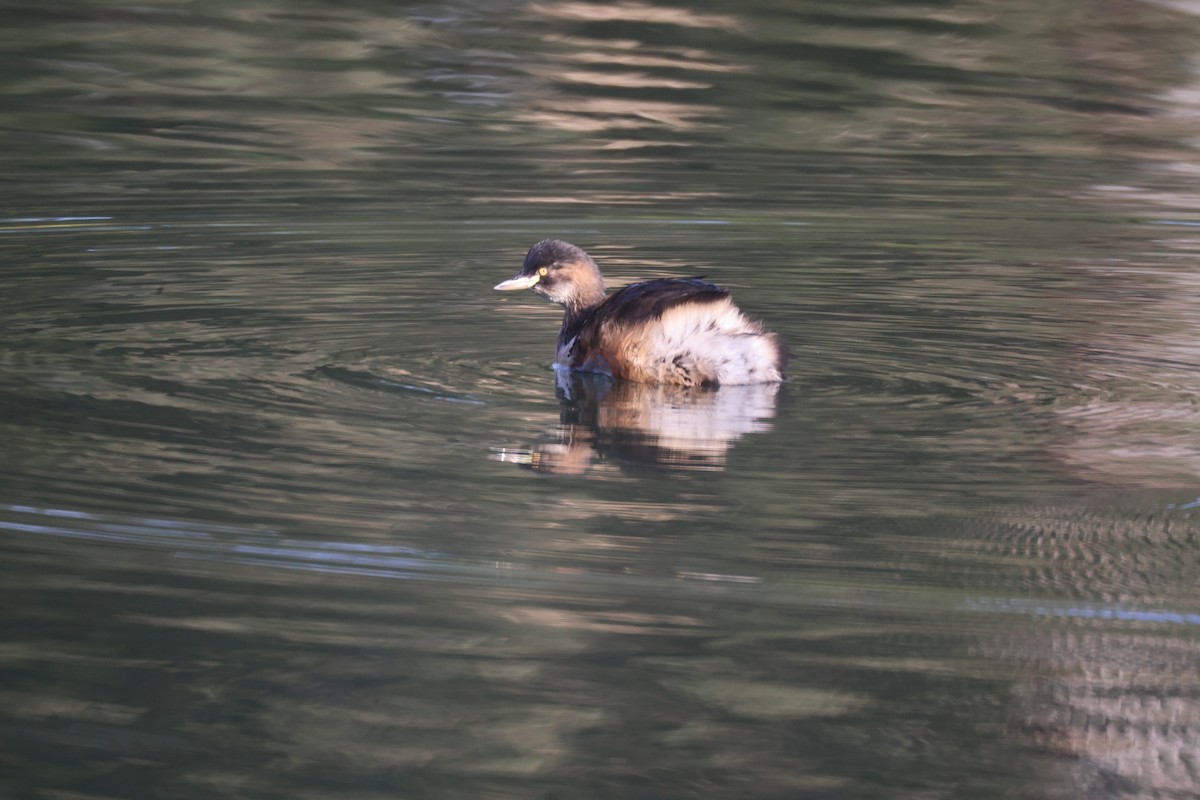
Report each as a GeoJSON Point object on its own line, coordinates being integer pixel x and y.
{"type": "Point", "coordinates": [572, 321]}
{"type": "Point", "coordinates": [588, 293]}
{"type": "Point", "coordinates": [575, 314]}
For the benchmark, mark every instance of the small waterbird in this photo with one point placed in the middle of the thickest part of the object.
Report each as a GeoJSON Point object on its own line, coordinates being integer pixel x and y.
{"type": "Point", "coordinates": [683, 331]}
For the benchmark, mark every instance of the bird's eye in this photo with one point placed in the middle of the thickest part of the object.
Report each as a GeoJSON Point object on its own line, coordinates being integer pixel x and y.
{"type": "Point", "coordinates": [542, 271]}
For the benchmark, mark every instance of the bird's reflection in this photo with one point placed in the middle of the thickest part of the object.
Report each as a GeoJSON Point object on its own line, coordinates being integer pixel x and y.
{"type": "Point", "coordinates": [604, 420]}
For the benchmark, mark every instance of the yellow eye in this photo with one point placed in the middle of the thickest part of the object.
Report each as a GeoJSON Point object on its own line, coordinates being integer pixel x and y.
{"type": "Point", "coordinates": [542, 271]}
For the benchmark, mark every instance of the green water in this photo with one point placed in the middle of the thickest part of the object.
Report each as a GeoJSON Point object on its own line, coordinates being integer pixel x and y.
{"type": "Point", "coordinates": [291, 506]}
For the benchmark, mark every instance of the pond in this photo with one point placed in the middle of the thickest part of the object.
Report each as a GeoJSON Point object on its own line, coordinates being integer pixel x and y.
{"type": "Point", "coordinates": [292, 503]}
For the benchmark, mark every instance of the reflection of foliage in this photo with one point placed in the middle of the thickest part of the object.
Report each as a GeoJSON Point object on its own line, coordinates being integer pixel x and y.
{"type": "Point", "coordinates": [608, 85]}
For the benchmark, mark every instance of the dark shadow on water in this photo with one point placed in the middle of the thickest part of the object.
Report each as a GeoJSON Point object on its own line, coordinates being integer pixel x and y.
{"type": "Point", "coordinates": [408, 387]}
{"type": "Point", "coordinates": [602, 420]}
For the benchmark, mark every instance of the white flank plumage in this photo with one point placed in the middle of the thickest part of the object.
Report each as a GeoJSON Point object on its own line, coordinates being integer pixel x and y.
{"type": "Point", "coordinates": [712, 340]}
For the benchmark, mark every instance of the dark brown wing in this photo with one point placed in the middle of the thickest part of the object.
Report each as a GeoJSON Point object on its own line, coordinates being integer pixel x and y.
{"type": "Point", "coordinates": [642, 302]}
{"type": "Point", "coordinates": [626, 310]}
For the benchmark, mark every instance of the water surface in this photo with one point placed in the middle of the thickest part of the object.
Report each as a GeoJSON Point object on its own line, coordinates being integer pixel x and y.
{"type": "Point", "coordinates": [292, 504]}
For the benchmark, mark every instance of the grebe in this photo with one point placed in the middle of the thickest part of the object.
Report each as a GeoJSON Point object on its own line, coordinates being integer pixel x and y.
{"type": "Point", "coordinates": [683, 331]}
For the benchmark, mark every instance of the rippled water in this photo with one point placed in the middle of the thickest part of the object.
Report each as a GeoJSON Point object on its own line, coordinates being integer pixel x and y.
{"type": "Point", "coordinates": [293, 506]}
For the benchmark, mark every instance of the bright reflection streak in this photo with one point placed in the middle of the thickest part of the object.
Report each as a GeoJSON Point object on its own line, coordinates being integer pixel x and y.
{"type": "Point", "coordinates": [634, 12]}
{"type": "Point", "coordinates": [1082, 611]}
